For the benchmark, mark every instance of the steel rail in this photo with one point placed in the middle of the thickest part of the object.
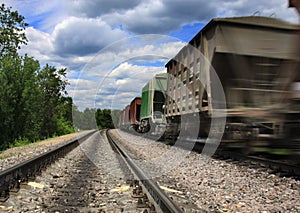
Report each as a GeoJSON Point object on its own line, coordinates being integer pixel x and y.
{"type": "Point", "coordinates": [275, 165]}
{"type": "Point", "coordinates": [284, 168]}
{"type": "Point", "coordinates": [161, 199]}
{"type": "Point", "coordinates": [11, 178]}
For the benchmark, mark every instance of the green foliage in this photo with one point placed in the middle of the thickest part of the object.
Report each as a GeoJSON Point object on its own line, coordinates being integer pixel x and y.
{"type": "Point", "coordinates": [116, 116]}
{"type": "Point", "coordinates": [92, 119]}
{"type": "Point", "coordinates": [104, 119]}
{"type": "Point", "coordinates": [33, 104]}
{"type": "Point", "coordinates": [84, 120]}
{"type": "Point", "coordinates": [33, 101]}
{"type": "Point", "coordinates": [53, 87]}
{"type": "Point", "coordinates": [63, 127]}
{"type": "Point", "coordinates": [12, 27]}
{"type": "Point", "coordinates": [20, 142]}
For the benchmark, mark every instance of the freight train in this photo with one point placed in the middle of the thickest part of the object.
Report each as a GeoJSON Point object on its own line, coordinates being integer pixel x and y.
{"type": "Point", "coordinates": [237, 79]}
{"type": "Point", "coordinates": [147, 117]}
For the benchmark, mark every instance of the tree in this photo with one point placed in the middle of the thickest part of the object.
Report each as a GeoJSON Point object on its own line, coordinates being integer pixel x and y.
{"type": "Point", "coordinates": [12, 34]}
{"type": "Point", "coordinates": [115, 114]}
{"type": "Point", "coordinates": [64, 117]}
{"type": "Point", "coordinates": [104, 119]}
{"type": "Point", "coordinates": [7, 100]}
{"type": "Point", "coordinates": [91, 118]}
{"type": "Point", "coordinates": [19, 99]}
{"type": "Point", "coordinates": [31, 110]}
{"type": "Point", "coordinates": [88, 119]}
{"type": "Point", "coordinates": [53, 87]}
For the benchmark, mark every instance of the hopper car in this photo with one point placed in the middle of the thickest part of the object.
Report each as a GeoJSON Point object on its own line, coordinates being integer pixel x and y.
{"type": "Point", "coordinates": [256, 62]}
{"type": "Point", "coordinates": [124, 118]}
{"type": "Point", "coordinates": [153, 100]}
{"type": "Point", "coordinates": [134, 113]}
{"type": "Point", "coordinates": [243, 71]}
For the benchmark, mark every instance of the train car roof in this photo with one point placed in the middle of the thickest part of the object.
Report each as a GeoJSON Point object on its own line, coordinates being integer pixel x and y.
{"type": "Point", "coordinates": [256, 21]}
{"type": "Point", "coordinates": [250, 21]}
{"type": "Point", "coordinates": [135, 99]}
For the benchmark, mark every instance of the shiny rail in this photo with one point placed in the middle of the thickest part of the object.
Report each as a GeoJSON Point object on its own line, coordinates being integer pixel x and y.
{"type": "Point", "coordinates": [160, 198]}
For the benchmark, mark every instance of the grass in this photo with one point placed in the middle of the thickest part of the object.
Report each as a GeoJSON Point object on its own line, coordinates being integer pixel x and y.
{"type": "Point", "coordinates": [20, 142]}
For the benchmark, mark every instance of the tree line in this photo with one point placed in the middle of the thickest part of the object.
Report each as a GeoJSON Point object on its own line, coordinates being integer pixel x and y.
{"type": "Point", "coordinates": [92, 118]}
{"type": "Point", "coordinates": [34, 103]}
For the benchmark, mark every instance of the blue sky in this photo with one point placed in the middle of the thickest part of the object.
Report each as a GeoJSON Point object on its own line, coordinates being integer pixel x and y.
{"type": "Point", "coordinates": [111, 48]}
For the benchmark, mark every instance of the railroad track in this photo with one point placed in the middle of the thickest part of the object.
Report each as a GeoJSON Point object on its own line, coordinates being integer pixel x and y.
{"type": "Point", "coordinates": [284, 168]}
{"type": "Point", "coordinates": [12, 178]}
{"type": "Point", "coordinates": [160, 199]}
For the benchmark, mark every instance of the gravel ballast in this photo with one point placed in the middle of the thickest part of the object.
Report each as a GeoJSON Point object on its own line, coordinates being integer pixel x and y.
{"type": "Point", "coordinates": [90, 178]}
{"type": "Point", "coordinates": [212, 184]}
{"type": "Point", "coordinates": [16, 155]}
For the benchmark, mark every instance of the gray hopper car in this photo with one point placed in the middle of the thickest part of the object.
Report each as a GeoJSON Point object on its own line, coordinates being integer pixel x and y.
{"type": "Point", "coordinates": [255, 59]}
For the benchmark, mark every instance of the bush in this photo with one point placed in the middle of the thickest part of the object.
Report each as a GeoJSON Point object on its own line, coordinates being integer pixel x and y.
{"type": "Point", "coordinates": [64, 127]}
{"type": "Point", "coordinates": [20, 142]}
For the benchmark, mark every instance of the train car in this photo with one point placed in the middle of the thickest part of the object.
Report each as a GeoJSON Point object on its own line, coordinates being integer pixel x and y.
{"type": "Point", "coordinates": [124, 119]}
{"type": "Point", "coordinates": [153, 100]}
{"type": "Point", "coordinates": [134, 113]}
{"type": "Point", "coordinates": [121, 119]}
{"type": "Point", "coordinates": [255, 59]}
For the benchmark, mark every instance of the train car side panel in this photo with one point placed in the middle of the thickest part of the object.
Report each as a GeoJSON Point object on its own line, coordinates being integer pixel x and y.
{"type": "Point", "coordinates": [134, 113]}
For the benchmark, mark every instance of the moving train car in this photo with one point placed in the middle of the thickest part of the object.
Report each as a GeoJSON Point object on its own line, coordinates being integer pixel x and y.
{"type": "Point", "coordinates": [153, 100]}
{"type": "Point", "coordinates": [124, 118]}
{"type": "Point", "coordinates": [255, 59]}
{"type": "Point", "coordinates": [242, 71]}
{"type": "Point", "coordinates": [134, 113]}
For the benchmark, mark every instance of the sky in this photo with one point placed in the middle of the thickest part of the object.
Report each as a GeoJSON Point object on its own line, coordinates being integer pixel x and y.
{"type": "Point", "coordinates": [111, 48]}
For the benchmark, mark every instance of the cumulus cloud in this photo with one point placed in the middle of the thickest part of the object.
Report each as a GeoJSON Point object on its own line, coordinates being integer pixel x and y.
{"type": "Point", "coordinates": [124, 83]}
{"type": "Point", "coordinates": [134, 50]}
{"type": "Point", "coordinates": [81, 36]}
{"type": "Point", "coordinates": [162, 16]}
{"type": "Point", "coordinates": [43, 15]}
{"type": "Point", "coordinates": [83, 92]}
{"type": "Point", "coordinates": [40, 44]}
{"type": "Point", "coordinates": [96, 8]}
{"type": "Point", "coordinates": [128, 76]}
{"type": "Point", "coordinates": [114, 90]}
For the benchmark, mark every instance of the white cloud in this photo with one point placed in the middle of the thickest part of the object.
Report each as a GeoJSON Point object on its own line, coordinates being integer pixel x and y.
{"type": "Point", "coordinates": [82, 84]}
{"type": "Point", "coordinates": [82, 36]}
{"type": "Point", "coordinates": [96, 8]}
{"type": "Point", "coordinates": [161, 16]}
{"type": "Point", "coordinates": [40, 44]}
{"type": "Point", "coordinates": [132, 50]}
{"type": "Point", "coordinates": [115, 90]}
{"type": "Point", "coordinates": [133, 71]}
{"type": "Point", "coordinates": [43, 15]}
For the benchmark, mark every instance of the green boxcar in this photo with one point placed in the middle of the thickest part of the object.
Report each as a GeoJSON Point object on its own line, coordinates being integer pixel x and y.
{"type": "Point", "coordinates": [153, 99]}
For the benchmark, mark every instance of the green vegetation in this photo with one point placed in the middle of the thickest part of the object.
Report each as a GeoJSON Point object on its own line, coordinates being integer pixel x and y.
{"type": "Point", "coordinates": [93, 118]}
{"type": "Point", "coordinates": [11, 31]}
{"type": "Point", "coordinates": [104, 119]}
{"type": "Point", "coordinates": [33, 100]}
{"type": "Point", "coordinates": [20, 142]}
